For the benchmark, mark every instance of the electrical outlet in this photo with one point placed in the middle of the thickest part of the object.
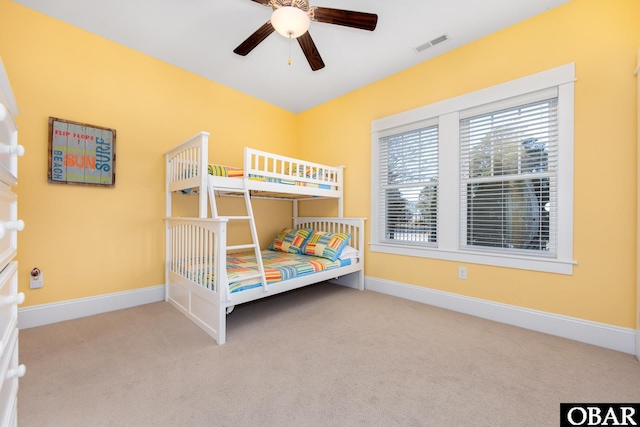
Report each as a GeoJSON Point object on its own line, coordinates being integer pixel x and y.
{"type": "Point", "coordinates": [462, 273]}
{"type": "Point", "coordinates": [36, 279]}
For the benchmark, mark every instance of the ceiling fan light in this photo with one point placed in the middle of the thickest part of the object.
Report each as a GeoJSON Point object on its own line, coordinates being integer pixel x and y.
{"type": "Point", "coordinates": [290, 21]}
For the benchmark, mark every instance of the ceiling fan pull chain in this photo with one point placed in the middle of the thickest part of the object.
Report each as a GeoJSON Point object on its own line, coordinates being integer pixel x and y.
{"type": "Point", "coordinates": [289, 48]}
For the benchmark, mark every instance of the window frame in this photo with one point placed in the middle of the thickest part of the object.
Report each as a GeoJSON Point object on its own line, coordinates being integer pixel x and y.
{"type": "Point", "coordinates": [447, 112]}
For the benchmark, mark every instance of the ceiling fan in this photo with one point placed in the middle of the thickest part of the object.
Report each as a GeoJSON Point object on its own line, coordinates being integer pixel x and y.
{"type": "Point", "coordinates": [292, 18]}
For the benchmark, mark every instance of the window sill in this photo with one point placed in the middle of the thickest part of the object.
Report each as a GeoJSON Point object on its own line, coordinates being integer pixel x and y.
{"type": "Point", "coordinates": [547, 265]}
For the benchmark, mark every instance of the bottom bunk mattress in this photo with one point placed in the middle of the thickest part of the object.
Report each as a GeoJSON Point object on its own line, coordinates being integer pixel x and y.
{"type": "Point", "coordinates": [278, 266]}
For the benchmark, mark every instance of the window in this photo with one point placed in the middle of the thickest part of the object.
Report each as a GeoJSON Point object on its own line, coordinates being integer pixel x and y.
{"type": "Point", "coordinates": [409, 185]}
{"type": "Point", "coordinates": [508, 164]}
{"type": "Point", "coordinates": [485, 178]}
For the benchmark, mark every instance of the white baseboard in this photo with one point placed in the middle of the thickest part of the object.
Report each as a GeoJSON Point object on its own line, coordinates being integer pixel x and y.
{"type": "Point", "coordinates": [600, 334]}
{"type": "Point", "coordinates": [39, 315]}
{"type": "Point", "coordinates": [603, 335]}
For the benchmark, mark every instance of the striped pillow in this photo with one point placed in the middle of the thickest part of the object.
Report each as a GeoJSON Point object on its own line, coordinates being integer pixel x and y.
{"type": "Point", "coordinates": [220, 170]}
{"type": "Point", "coordinates": [326, 245]}
{"type": "Point", "coordinates": [290, 240]}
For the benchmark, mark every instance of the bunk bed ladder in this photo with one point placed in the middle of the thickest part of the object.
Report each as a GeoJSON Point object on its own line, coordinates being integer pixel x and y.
{"type": "Point", "coordinates": [250, 219]}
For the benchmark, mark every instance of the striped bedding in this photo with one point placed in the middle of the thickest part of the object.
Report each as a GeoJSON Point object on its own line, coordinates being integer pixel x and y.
{"type": "Point", "coordinates": [231, 172]}
{"type": "Point", "coordinates": [279, 266]}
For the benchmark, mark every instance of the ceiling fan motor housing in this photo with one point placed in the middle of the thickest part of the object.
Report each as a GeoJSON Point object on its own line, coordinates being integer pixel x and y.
{"type": "Point", "coordinates": [300, 4]}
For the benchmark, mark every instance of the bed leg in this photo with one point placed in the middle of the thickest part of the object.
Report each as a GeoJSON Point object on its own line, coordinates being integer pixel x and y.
{"type": "Point", "coordinates": [222, 327]}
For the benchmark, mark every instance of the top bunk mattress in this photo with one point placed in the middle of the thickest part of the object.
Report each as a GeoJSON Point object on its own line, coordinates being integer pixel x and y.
{"type": "Point", "coordinates": [233, 172]}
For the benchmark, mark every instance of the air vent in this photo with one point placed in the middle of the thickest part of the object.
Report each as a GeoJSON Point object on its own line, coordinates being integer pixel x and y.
{"type": "Point", "coordinates": [430, 43]}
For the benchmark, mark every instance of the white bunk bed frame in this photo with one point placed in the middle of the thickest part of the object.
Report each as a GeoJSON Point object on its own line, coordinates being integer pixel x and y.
{"type": "Point", "coordinates": [205, 239]}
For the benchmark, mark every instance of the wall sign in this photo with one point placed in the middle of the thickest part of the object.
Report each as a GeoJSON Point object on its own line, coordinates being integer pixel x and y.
{"type": "Point", "coordinates": [81, 153]}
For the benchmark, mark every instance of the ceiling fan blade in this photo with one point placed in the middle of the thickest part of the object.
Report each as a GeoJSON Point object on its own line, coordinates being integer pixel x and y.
{"type": "Point", "coordinates": [310, 51]}
{"type": "Point", "coordinates": [263, 2]}
{"type": "Point", "coordinates": [347, 18]}
{"type": "Point", "coordinates": [254, 39]}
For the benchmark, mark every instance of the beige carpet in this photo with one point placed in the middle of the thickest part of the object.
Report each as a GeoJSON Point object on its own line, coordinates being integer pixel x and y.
{"type": "Point", "coordinates": [320, 356]}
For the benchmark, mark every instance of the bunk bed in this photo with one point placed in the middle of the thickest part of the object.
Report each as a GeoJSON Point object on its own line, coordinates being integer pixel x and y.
{"type": "Point", "coordinates": [206, 277]}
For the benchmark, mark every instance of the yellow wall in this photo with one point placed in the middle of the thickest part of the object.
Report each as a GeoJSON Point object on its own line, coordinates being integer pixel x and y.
{"type": "Point", "coordinates": [602, 39]}
{"type": "Point", "coordinates": [88, 240]}
{"type": "Point", "coordinates": [91, 241]}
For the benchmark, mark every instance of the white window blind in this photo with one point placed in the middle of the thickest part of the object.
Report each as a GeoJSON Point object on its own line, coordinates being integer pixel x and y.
{"type": "Point", "coordinates": [408, 186]}
{"type": "Point", "coordinates": [508, 177]}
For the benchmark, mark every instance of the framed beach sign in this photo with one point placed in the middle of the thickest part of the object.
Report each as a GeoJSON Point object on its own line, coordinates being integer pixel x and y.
{"type": "Point", "coordinates": [81, 154]}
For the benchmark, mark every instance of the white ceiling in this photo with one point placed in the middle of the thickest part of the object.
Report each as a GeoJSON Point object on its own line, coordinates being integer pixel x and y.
{"type": "Point", "coordinates": [200, 35]}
